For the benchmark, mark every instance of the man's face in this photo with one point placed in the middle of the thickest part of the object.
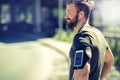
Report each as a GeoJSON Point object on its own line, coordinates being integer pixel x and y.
{"type": "Point", "coordinates": [71, 16]}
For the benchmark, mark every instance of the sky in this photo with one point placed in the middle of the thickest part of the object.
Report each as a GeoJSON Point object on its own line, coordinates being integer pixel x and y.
{"type": "Point", "coordinates": [110, 11]}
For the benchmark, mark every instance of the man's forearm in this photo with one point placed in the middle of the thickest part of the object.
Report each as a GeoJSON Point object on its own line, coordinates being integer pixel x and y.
{"type": "Point", "coordinates": [82, 74]}
{"type": "Point", "coordinates": [106, 70]}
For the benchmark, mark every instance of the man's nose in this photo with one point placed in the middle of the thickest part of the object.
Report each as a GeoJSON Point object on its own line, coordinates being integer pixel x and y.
{"type": "Point", "coordinates": [65, 16]}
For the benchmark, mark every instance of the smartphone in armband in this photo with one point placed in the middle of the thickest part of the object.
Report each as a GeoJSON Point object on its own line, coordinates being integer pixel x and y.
{"type": "Point", "coordinates": [78, 59]}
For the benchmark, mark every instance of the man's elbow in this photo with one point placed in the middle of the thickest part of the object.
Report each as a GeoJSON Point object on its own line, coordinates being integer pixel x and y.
{"type": "Point", "coordinates": [82, 74]}
{"type": "Point", "coordinates": [109, 58]}
{"type": "Point", "coordinates": [110, 62]}
{"type": "Point", "coordinates": [86, 71]}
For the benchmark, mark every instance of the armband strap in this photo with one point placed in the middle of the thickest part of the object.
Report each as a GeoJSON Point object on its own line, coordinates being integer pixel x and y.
{"type": "Point", "coordinates": [80, 59]}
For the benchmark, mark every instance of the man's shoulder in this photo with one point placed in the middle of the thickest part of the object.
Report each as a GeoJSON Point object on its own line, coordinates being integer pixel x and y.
{"type": "Point", "coordinates": [84, 34]}
{"type": "Point", "coordinates": [90, 31]}
{"type": "Point", "coordinates": [82, 38]}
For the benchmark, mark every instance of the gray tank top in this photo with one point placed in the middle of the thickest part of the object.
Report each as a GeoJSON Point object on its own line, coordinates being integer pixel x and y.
{"type": "Point", "coordinates": [98, 47]}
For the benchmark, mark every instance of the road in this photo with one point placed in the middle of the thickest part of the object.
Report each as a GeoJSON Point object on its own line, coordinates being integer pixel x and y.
{"type": "Point", "coordinates": [31, 61]}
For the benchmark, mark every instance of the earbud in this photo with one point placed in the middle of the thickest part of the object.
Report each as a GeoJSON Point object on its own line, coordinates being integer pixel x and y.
{"type": "Point", "coordinates": [80, 16]}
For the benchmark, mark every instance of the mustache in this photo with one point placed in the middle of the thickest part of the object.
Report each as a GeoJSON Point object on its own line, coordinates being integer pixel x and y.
{"type": "Point", "coordinates": [68, 19]}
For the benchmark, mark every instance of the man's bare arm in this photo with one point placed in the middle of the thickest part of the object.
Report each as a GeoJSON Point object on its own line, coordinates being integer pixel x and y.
{"type": "Point", "coordinates": [82, 74]}
{"type": "Point", "coordinates": [108, 62]}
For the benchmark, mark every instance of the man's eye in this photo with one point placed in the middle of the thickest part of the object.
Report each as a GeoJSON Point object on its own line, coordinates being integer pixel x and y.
{"type": "Point", "coordinates": [69, 12]}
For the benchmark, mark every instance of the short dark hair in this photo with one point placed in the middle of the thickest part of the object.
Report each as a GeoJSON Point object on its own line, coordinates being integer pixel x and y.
{"type": "Point", "coordinates": [80, 7]}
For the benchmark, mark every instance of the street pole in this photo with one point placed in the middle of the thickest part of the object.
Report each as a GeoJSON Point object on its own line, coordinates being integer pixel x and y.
{"type": "Point", "coordinates": [0, 12]}
{"type": "Point", "coordinates": [60, 20]}
{"type": "Point", "coordinates": [37, 16]}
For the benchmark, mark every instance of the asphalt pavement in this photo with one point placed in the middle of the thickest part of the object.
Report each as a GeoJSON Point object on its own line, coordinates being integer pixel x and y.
{"type": "Point", "coordinates": [25, 57]}
{"type": "Point", "coordinates": [31, 61]}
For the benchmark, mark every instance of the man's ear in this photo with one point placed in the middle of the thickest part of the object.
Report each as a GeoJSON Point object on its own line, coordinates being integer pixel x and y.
{"type": "Point", "coordinates": [81, 14]}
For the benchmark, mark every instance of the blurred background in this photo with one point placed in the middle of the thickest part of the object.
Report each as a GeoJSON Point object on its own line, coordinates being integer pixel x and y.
{"type": "Point", "coordinates": [34, 41]}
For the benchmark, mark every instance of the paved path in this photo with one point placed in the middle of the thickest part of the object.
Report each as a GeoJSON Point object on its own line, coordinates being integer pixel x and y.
{"type": "Point", "coordinates": [31, 61]}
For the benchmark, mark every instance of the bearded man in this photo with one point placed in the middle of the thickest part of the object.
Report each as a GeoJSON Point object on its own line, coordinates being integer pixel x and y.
{"type": "Point", "coordinates": [90, 55]}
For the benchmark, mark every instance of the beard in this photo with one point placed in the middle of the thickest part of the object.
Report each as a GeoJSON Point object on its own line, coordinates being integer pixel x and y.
{"type": "Point", "coordinates": [72, 24]}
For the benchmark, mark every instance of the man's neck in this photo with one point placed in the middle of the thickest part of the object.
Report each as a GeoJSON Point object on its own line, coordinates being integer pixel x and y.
{"type": "Point", "coordinates": [80, 25]}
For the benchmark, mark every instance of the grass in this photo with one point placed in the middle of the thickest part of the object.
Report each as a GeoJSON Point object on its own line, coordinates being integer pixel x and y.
{"type": "Point", "coordinates": [66, 36]}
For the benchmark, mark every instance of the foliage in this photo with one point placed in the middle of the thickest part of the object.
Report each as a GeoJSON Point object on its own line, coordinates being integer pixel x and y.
{"type": "Point", "coordinates": [66, 36]}
{"type": "Point", "coordinates": [116, 54]}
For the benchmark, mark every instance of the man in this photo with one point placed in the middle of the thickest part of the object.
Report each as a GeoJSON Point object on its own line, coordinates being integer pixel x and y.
{"type": "Point", "coordinates": [90, 55]}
